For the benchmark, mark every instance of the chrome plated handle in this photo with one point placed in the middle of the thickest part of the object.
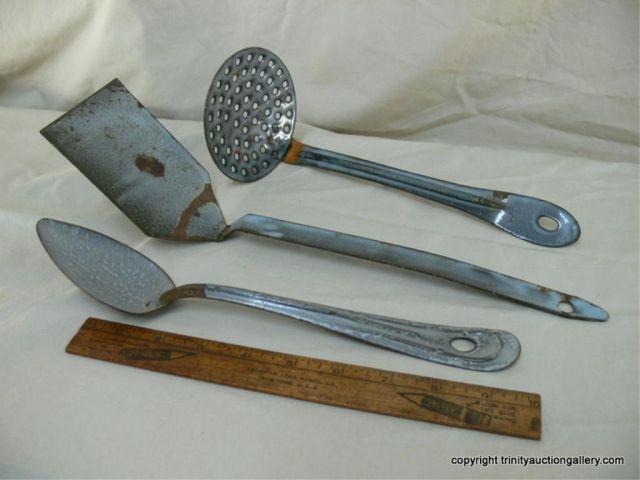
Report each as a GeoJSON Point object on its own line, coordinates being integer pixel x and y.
{"type": "Point", "coordinates": [512, 288]}
{"type": "Point", "coordinates": [492, 349]}
{"type": "Point", "coordinates": [528, 218]}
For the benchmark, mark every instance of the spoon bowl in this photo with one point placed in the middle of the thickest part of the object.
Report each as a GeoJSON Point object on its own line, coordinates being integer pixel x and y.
{"type": "Point", "coordinates": [105, 268]}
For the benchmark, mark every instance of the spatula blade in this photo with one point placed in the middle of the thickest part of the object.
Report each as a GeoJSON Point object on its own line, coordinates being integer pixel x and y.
{"type": "Point", "coordinates": [134, 160]}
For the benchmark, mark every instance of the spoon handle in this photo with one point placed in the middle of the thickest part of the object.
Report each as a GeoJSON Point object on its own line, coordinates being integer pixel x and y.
{"type": "Point", "coordinates": [512, 288]}
{"type": "Point", "coordinates": [491, 349]}
{"type": "Point", "coordinates": [528, 218]}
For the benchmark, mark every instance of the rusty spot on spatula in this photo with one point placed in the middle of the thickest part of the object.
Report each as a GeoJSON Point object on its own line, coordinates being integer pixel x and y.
{"type": "Point", "coordinates": [150, 165]}
{"type": "Point", "coordinates": [205, 197]}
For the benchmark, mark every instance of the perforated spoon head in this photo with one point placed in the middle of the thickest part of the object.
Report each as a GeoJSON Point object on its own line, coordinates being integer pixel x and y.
{"type": "Point", "coordinates": [106, 269]}
{"type": "Point", "coordinates": [250, 114]}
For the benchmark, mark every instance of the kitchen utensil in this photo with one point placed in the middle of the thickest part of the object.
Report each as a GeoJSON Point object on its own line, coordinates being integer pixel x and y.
{"type": "Point", "coordinates": [249, 118]}
{"type": "Point", "coordinates": [152, 178]}
{"type": "Point", "coordinates": [127, 280]}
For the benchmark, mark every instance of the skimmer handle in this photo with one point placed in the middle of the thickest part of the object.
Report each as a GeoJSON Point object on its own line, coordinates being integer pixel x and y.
{"type": "Point", "coordinates": [528, 218]}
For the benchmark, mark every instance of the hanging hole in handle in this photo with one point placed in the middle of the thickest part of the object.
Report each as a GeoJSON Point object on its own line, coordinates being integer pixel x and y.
{"type": "Point", "coordinates": [565, 307]}
{"type": "Point", "coordinates": [462, 344]}
{"type": "Point", "coordinates": [549, 224]}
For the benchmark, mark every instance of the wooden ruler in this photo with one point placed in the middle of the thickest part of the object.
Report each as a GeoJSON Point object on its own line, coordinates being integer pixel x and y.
{"type": "Point", "coordinates": [456, 404]}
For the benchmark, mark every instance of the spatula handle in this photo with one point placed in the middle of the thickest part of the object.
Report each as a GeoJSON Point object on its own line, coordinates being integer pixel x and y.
{"type": "Point", "coordinates": [492, 349]}
{"type": "Point", "coordinates": [514, 289]}
{"type": "Point", "coordinates": [528, 218]}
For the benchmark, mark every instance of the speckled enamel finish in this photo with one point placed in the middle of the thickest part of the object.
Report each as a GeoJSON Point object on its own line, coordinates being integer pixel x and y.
{"type": "Point", "coordinates": [145, 171]}
{"type": "Point", "coordinates": [249, 118]}
{"type": "Point", "coordinates": [127, 280]}
{"type": "Point", "coordinates": [249, 114]}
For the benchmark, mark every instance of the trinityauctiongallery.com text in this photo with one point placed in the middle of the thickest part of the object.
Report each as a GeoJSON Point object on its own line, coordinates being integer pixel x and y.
{"type": "Point", "coordinates": [526, 460]}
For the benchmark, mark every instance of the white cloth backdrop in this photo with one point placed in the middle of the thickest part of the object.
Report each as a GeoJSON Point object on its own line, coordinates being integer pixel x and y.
{"type": "Point", "coordinates": [535, 97]}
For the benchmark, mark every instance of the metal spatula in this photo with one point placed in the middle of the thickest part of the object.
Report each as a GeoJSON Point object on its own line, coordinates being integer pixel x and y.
{"type": "Point", "coordinates": [138, 164]}
{"type": "Point", "coordinates": [249, 118]}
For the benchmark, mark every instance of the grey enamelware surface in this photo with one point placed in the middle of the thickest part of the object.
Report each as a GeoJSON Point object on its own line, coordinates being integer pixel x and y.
{"type": "Point", "coordinates": [127, 280]}
{"type": "Point", "coordinates": [249, 118]}
{"type": "Point", "coordinates": [144, 170]}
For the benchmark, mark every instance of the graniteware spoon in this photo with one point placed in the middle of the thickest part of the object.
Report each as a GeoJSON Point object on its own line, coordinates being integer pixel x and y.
{"type": "Point", "coordinates": [127, 280]}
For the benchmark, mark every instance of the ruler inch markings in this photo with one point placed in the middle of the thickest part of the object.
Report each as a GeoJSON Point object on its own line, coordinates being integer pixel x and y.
{"type": "Point", "coordinates": [369, 389]}
{"type": "Point", "coordinates": [429, 381]}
